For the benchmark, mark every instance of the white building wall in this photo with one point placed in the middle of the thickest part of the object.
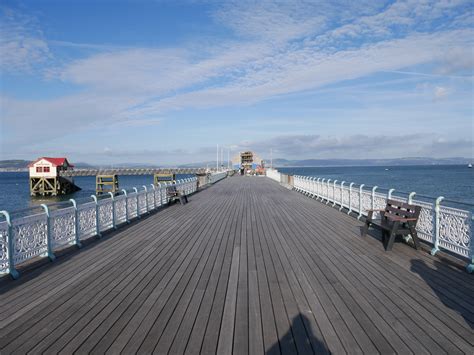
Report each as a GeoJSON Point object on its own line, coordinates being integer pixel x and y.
{"type": "Point", "coordinates": [43, 163]}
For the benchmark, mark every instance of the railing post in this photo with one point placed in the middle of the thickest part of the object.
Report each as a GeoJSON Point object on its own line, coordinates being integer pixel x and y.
{"type": "Point", "coordinates": [97, 220]}
{"type": "Point", "coordinates": [350, 198]}
{"type": "Point", "coordinates": [389, 195]}
{"type": "Point", "coordinates": [76, 224]}
{"type": "Point", "coordinates": [317, 188]}
{"type": "Point", "coordinates": [127, 220]}
{"type": "Point", "coordinates": [342, 195]}
{"type": "Point", "coordinates": [11, 247]}
{"type": "Point", "coordinates": [410, 197]}
{"type": "Point", "coordinates": [334, 194]}
{"type": "Point", "coordinates": [437, 225]}
{"type": "Point", "coordinates": [327, 195]}
{"type": "Point", "coordinates": [154, 196]}
{"type": "Point", "coordinates": [138, 206]}
{"type": "Point", "coordinates": [373, 196]}
{"type": "Point", "coordinates": [161, 194]}
{"type": "Point", "coordinates": [360, 200]}
{"type": "Point", "coordinates": [146, 199]}
{"type": "Point", "coordinates": [322, 190]}
{"type": "Point", "coordinates": [470, 266]}
{"type": "Point", "coordinates": [49, 242]}
{"type": "Point", "coordinates": [113, 210]}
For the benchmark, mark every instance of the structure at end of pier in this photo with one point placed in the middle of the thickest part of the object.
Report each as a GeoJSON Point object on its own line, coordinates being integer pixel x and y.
{"type": "Point", "coordinates": [45, 179]}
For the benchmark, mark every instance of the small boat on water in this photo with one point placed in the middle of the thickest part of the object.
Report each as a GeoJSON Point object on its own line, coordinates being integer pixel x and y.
{"type": "Point", "coordinates": [469, 165]}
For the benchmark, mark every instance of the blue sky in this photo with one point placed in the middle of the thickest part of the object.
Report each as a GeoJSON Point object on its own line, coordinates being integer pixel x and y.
{"type": "Point", "coordinates": [163, 82]}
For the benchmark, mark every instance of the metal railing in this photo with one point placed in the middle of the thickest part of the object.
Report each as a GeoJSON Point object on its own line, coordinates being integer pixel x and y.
{"type": "Point", "coordinates": [41, 234]}
{"type": "Point", "coordinates": [273, 174]}
{"type": "Point", "coordinates": [442, 226]}
{"type": "Point", "coordinates": [215, 177]}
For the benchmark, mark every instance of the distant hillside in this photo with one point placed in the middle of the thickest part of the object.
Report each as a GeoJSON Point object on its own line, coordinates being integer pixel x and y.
{"type": "Point", "coordinates": [14, 164]}
{"type": "Point", "coordinates": [370, 162]}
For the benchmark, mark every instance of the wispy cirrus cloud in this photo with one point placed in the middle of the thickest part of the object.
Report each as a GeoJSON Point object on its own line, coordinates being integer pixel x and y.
{"type": "Point", "coordinates": [22, 44]}
{"type": "Point", "coordinates": [276, 49]}
{"type": "Point", "coordinates": [368, 146]}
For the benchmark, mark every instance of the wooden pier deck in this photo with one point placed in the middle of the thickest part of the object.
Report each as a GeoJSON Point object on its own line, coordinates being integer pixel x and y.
{"type": "Point", "coordinates": [246, 266]}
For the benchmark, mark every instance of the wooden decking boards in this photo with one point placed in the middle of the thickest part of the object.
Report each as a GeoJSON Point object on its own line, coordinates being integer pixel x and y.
{"type": "Point", "coordinates": [246, 266]}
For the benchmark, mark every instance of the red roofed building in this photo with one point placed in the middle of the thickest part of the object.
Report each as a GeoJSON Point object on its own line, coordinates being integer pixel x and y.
{"type": "Point", "coordinates": [48, 167]}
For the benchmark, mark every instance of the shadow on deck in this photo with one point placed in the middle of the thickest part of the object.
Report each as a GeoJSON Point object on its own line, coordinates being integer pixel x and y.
{"type": "Point", "coordinates": [247, 267]}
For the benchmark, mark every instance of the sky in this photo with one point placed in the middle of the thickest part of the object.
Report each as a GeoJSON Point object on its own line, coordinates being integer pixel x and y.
{"type": "Point", "coordinates": [164, 82]}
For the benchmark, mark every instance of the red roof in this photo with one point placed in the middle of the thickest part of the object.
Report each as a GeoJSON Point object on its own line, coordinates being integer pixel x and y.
{"type": "Point", "coordinates": [54, 161]}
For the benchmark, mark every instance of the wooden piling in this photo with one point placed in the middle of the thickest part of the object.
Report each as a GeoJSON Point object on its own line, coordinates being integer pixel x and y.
{"type": "Point", "coordinates": [106, 183]}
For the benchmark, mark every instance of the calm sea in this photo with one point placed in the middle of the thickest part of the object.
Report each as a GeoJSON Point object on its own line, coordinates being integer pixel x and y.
{"type": "Point", "coordinates": [15, 193]}
{"type": "Point", "coordinates": [452, 182]}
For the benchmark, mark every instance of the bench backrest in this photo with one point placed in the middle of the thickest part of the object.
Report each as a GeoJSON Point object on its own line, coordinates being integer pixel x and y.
{"type": "Point", "coordinates": [171, 190]}
{"type": "Point", "coordinates": [402, 209]}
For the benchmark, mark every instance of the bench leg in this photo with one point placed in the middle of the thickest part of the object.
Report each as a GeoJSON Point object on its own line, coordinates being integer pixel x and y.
{"type": "Point", "coordinates": [414, 235]}
{"type": "Point", "coordinates": [367, 224]}
{"type": "Point", "coordinates": [365, 228]}
{"type": "Point", "coordinates": [392, 236]}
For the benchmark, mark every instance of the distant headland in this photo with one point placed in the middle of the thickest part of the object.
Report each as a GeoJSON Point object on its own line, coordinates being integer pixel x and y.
{"type": "Point", "coordinates": [21, 165]}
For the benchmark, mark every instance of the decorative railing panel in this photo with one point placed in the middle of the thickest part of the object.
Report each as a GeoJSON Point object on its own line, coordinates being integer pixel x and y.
{"type": "Point", "coordinates": [87, 220]}
{"type": "Point", "coordinates": [366, 202]}
{"type": "Point", "coordinates": [132, 205]}
{"type": "Point", "coordinates": [142, 202]}
{"type": "Point", "coordinates": [273, 174]}
{"type": "Point", "coordinates": [380, 201]}
{"type": "Point", "coordinates": [63, 227]}
{"type": "Point", "coordinates": [455, 228]}
{"type": "Point", "coordinates": [443, 227]}
{"type": "Point", "coordinates": [105, 208]}
{"type": "Point", "coordinates": [120, 209]}
{"type": "Point", "coordinates": [425, 225]}
{"type": "Point", "coordinates": [30, 237]}
{"type": "Point", "coordinates": [337, 194]}
{"type": "Point", "coordinates": [41, 234]}
{"type": "Point", "coordinates": [4, 247]}
{"type": "Point", "coordinates": [151, 200]}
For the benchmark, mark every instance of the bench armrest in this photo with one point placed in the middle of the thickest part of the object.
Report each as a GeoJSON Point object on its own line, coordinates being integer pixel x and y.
{"type": "Point", "coordinates": [400, 219]}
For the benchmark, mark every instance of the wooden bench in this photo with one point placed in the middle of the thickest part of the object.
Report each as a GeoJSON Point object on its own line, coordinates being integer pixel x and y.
{"type": "Point", "coordinates": [173, 194]}
{"type": "Point", "coordinates": [398, 218]}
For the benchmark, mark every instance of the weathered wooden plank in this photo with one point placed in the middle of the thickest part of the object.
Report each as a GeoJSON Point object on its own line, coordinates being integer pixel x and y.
{"type": "Point", "coordinates": [196, 336]}
{"type": "Point", "coordinates": [246, 267]}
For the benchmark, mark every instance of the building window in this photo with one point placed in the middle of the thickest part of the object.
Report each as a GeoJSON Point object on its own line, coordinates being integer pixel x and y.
{"type": "Point", "coordinates": [46, 169]}
{"type": "Point", "coordinates": [39, 169]}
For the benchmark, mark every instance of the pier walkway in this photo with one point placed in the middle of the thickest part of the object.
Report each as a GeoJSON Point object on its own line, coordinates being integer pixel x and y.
{"type": "Point", "coordinates": [247, 266]}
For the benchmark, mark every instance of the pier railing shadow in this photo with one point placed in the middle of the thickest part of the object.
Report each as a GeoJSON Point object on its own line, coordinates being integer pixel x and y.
{"type": "Point", "coordinates": [311, 345]}
{"type": "Point", "coordinates": [38, 266]}
{"type": "Point", "coordinates": [427, 274]}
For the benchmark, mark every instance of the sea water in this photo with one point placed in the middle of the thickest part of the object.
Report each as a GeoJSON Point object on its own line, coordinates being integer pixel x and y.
{"type": "Point", "coordinates": [452, 182]}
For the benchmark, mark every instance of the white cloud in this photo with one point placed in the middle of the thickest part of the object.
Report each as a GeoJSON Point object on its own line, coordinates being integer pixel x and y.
{"type": "Point", "coordinates": [368, 146]}
{"type": "Point", "coordinates": [279, 48]}
{"type": "Point", "coordinates": [303, 69]}
{"type": "Point", "coordinates": [440, 92]}
{"type": "Point", "coordinates": [22, 45]}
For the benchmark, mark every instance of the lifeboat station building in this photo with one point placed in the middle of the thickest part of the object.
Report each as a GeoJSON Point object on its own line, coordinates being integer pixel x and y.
{"type": "Point", "coordinates": [45, 179]}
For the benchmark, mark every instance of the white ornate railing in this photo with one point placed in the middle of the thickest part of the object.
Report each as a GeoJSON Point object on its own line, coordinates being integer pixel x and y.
{"type": "Point", "coordinates": [441, 226]}
{"type": "Point", "coordinates": [24, 238]}
{"type": "Point", "coordinates": [273, 174]}
{"type": "Point", "coordinates": [215, 177]}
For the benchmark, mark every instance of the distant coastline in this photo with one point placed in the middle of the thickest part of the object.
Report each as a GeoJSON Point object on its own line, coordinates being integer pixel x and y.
{"type": "Point", "coordinates": [22, 165]}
